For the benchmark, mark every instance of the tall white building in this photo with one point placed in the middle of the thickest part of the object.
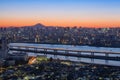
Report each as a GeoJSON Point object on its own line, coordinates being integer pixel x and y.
{"type": "Point", "coordinates": [37, 38]}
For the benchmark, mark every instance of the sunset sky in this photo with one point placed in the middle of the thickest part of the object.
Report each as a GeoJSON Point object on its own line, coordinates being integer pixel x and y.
{"type": "Point", "coordinates": [90, 13]}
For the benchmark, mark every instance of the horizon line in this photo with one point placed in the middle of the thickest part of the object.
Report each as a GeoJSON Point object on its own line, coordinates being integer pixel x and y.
{"type": "Point", "coordinates": [60, 26]}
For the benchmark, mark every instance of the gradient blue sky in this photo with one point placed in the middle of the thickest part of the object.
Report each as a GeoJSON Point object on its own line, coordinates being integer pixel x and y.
{"type": "Point", "coordinates": [91, 13]}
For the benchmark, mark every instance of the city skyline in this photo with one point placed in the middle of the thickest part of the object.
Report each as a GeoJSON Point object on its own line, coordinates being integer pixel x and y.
{"type": "Point", "coordinates": [89, 13]}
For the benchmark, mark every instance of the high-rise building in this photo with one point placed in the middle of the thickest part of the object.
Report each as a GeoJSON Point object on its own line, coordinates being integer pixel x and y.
{"type": "Point", "coordinates": [37, 38]}
{"type": "Point", "coordinates": [3, 45]}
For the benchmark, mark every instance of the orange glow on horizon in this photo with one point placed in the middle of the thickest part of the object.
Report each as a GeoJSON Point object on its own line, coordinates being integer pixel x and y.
{"type": "Point", "coordinates": [25, 22]}
{"type": "Point", "coordinates": [84, 13]}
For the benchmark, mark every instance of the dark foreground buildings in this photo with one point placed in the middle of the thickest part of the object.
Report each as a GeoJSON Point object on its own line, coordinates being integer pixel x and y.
{"type": "Point", "coordinates": [52, 70]}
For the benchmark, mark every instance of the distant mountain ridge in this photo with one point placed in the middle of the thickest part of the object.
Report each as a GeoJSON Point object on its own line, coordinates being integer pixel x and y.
{"type": "Point", "coordinates": [38, 25]}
